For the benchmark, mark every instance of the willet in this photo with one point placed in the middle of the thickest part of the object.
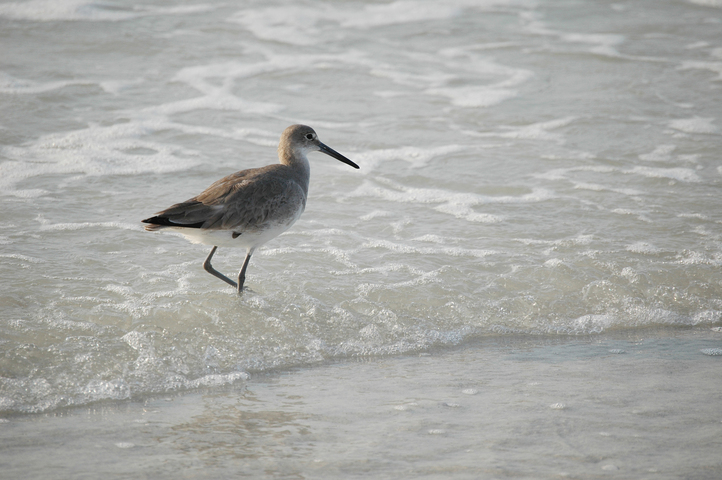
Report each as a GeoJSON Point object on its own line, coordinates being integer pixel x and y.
{"type": "Point", "coordinates": [248, 208]}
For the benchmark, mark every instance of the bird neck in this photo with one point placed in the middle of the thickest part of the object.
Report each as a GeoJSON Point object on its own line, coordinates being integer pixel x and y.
{"type": "Point", "coordinates": [298, 162]}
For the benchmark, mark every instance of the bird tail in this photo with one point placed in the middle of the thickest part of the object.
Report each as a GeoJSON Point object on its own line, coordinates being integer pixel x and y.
{"type": "Point", "coordinates": [156, 223]}
{"type": "Point", "coordinates": [155, 228]}
{"type": "Point", "coordinates": [160, 222]}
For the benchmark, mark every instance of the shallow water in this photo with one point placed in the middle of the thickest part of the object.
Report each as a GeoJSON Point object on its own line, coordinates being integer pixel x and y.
{"type": "Point", "coordinates": [527, 168]}
{"type": "Point", "coordinates": [641, 404]}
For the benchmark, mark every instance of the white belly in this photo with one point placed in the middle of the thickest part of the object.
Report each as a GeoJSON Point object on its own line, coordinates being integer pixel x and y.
{"type": "Point", "coordinates": [224, 238]}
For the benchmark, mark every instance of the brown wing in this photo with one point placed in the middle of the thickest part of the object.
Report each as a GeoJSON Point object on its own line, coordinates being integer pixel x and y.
{"type": "Point", "coordinates": [243, 200]}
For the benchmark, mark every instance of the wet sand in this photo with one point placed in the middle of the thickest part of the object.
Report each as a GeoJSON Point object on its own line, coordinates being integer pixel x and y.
{"type": "Point", "coordinates": [643, 404]}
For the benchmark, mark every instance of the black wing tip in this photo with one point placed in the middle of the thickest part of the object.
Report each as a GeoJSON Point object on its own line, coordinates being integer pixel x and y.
{"type": "Point", "coordinates": [165, 222]}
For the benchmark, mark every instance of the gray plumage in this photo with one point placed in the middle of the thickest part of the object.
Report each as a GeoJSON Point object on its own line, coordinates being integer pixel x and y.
{"type": "Point", "coordinates": [250, 207]}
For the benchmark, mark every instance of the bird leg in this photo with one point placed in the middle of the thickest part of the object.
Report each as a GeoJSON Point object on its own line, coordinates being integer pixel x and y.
{"type": "Point", "coordinates": [209, 268]}
{"type": "Point", "coordinates": [242, 273]}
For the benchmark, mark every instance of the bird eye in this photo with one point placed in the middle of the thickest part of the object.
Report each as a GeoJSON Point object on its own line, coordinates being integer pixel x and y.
{"type": "Point", "coordinates": [309, 136]}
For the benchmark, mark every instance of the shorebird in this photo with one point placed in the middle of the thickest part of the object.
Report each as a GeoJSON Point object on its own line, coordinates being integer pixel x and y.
{"type": "Point", "coordinates": [248, 208]}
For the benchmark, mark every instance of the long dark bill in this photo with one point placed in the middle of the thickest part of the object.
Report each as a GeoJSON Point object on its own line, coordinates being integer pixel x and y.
{"type": "Point", "coordinates": [333, 153]}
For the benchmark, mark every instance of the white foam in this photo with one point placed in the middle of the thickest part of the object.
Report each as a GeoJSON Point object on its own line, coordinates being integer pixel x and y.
{"type": "Point", "coordinates": [474, 96]}
{"type": "Point", "coordinates": [24, 258]}
{"type": "Point", "coordinates": [94, 151]}
{"type": "Point", "coordinates": [697, 216]}
{"type": "Point", "coordinates": [115, 87]}
{"type": "Point", "coordinates": [390, 93]}
{"type": "Point", "coordinates": [706, 316]}
{"type": "Point", "coordinates": [400, 11]}
{"type": "Point", "coordinates": [376, 213]}
{"type": "Point", "coordinates": [97, 390]}
{"type": "Point", "coordinates": [689, 157]}
{"type": "Point", "coordinates": [300, 25]}
{"type": "Point", "coordinates": [84, 10]}
{"type": "Point", "coordinates": [601, 43]}
{"type": "Point", "coordinates": [457, 204]}
{"type": "Point", "coordinates": [409, 249]}
{"type": "Point", "coordinates": [689, 257]}
{"type": "Point", "coordinates": [694, 125]}
{"type": "Point", "coordinates": [659, 154]}
{"type": "Point", "coordinates": [643, 247]}
{"type": "Point", "coordinates": [47, 226]}
{"type": "Point", "coordinates": [417, 157]}
{"type": "Point", "coordinates": [294, 24]}
{"type": "Point", "coordinates": [54, 10]}
{"type": "Point", "coordinates": [216, 380]}
{"type": "Point", "coordinates": [411, 79]}
{"type": "Point", "coordinates": [592, 324]}
{"type": "Point", "coordinates": [534, 131]}
{"type": "Point", "coordinates": [680, 174]}
{"type": "Point", "coordinates": [707, 3]}
{"type": "Point", "coordinates": [435, 239]}
{"type": "Point", "coordinates": [459, 210]}
{"type": "Point", "coordinates": [605, 188]}
{"type": "Point", "coordinates": [217, 100]}
{"type": "Point", "coordinates": [484, 95]}
{"type": "Point", "coordinates": [554, 262]}
{"type": "Point", "coordinates": [562, 173]}
{"type": "Point", "coordinates": [137, 340]}
{"type": "Point", "coordinates": [423, 278]}
{"type": "Point", "coordinates": [715, 67]}
{"type": "Point", "coordinates": [17, 86]}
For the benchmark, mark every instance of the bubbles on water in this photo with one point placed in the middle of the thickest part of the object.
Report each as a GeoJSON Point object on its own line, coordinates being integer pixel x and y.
{"type": "Point", "coordinates": [406, 406]}
{"type": "Point", "coordinates": [554, 262]}
{"type": "Point", "coordinates": [104, 390]}
{"type": "Point", "coordinates": [661, 153]}
{"type": "Point", "coordinates": [84, 10]}
{"type": "Point", "coordinates": [558, 406]}
{"type": "Point", "coordinates": [417, 157]}
{"type": "Point", "coordinates": [458, 204]}
{"type": "Point", "coordinates": [216, 380]}
{"type": "Point", "coordinates": [593, 323]}
{"type": "Point", "coordinates": [678, 173]}
{"type": "Point", "coordinates": [696, 124]}
{"type": "Point", "coordinates": [535, 131]}
{"type": "Point", "coordinates": [643, 247]}
{"type": "Point", "coordinates": [713, 352]}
